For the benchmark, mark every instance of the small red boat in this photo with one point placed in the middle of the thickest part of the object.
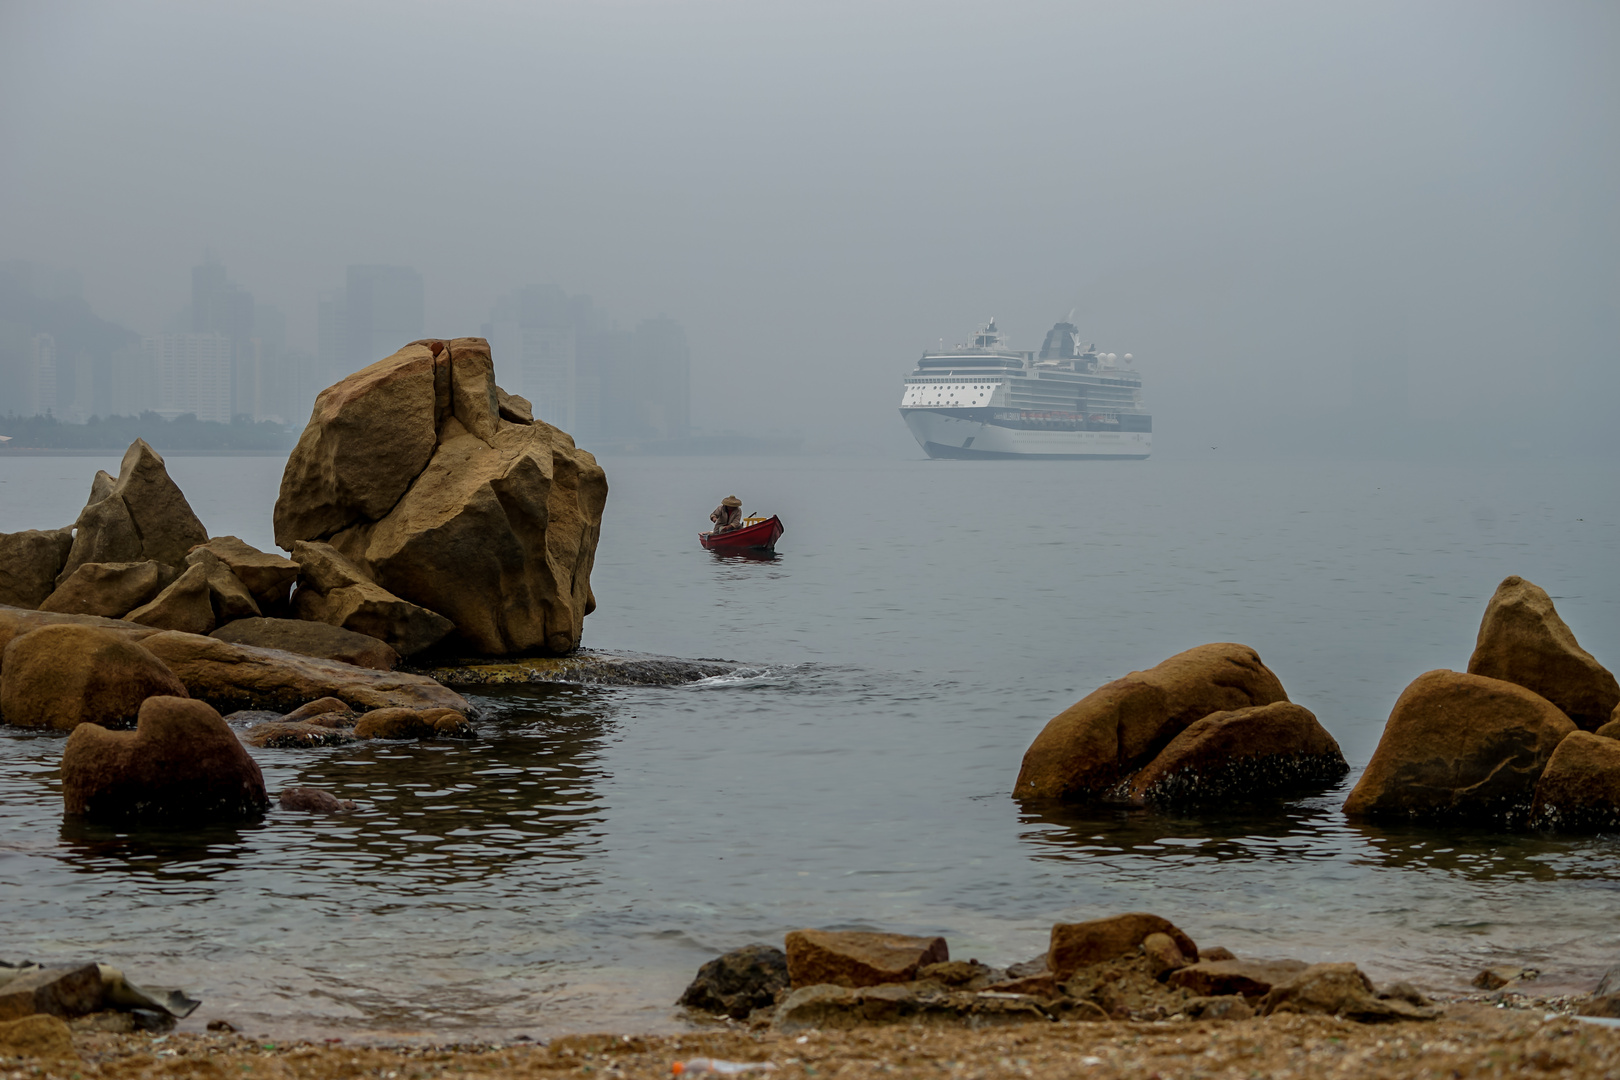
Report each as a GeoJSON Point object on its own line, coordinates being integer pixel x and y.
{"type": "Point", "coordinates": [757, 534]}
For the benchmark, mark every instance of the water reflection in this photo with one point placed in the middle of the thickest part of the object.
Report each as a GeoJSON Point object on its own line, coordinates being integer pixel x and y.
{"type": "Point", "coordinates": [483, 816]}
{"type": "Point", "coordinates": [1310, 829]}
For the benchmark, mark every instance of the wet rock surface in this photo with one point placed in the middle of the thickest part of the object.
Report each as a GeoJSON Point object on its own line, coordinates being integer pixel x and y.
{"type": "Point", "coordinates": [1579, 790]}
{"type": "Point", "coordinates": [313, 801]}
{"type": "Point", "coordinates": [1460, 747]}
{"type": "Point", "coordinates": [58, 677]}
{"type": "Point", "coordinates": [182, 762]}
{"type": "Point", "coordinates": [1089, 748]}
{"type": "Point", "coordinates": [590, 667]}
{"type": "Point", "coordinates": [739, 982]}
{"type": "Point", "coordinates": [1242, 755]}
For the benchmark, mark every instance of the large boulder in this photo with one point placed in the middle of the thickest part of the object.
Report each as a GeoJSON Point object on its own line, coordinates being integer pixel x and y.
{"type": "Point", "coordinates": [1086, 750]}
{"type": "Point", "coordinates": [232, 677]}
{"type": "Point", "coordinates": [139, 516]}
{"type": "Point", "coordinates": [311, 639]}
{"type": "Point", "coordinates": [180, 763]}
{"type": "Point", "coordinates": [109, 589]}
{"type": "Point", "coordinates": [183, 605]}
{"type": "Point", "coordinates": [1522, 640]}
{"type": "Point", "coordinates": [431, 480]}
{"type": "Point", "coordinates": [29, 563]}
{"type": "Point", "coordinates": [858, 958]}
{"type": "Point", "coordinates": [15, 622]}
{"type": "Point", "coordinates": [1579, 790]}
{"type": "Point", "coordinates": [333, 590]}
{"type": "Point", "coordinates": [1240, 755]}
{"type": "Point", "coordinates": [1460, 747]}
{"type": "Point", "coordinates": [59, 677]}
{"type": "Point", "coordinates": [267, 577]}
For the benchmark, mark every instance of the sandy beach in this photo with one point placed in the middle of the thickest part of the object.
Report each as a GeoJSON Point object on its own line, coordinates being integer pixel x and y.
{"type": "Point", "coordinates": [1471, 1039]}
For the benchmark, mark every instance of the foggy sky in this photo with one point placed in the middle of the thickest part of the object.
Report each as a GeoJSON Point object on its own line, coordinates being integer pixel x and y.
{"type": "Point", "coordinates": [1281, 209]}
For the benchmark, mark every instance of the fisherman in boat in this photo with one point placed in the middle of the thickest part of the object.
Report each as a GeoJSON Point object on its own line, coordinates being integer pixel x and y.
{"type": "Point", "coordinates": [727, 517]}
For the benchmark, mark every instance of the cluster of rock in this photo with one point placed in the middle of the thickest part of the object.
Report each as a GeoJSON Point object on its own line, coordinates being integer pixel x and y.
{"type": "Point", "coordinates": [424, 508]}
{"type": "Point", "coordinates": [92, 996]}
{"type": "Point", "coordinates": [1528, 735]}
{"type": "Point", "coordinates": [1206, 725]}
{"type": "Point", "coordinates": [1135, 966]}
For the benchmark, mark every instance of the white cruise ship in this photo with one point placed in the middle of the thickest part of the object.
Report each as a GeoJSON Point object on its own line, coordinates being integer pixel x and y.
{"type": "Point", "coordinates": [985, 400]}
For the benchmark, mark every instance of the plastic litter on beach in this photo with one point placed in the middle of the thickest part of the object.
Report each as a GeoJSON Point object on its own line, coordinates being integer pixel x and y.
{"type": "Point", "coordinates": [715, 1065]}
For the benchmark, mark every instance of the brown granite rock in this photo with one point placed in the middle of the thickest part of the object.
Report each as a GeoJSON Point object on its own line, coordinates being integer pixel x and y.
{"type": "Point", "coordinates": [313, 801]}
{"type": "Point", "coordinates": [180, 762]}
{"type": "Point", "coordinates": [514, 408]}
{"type": "Point", "coordinates": [59, 677]}
{"type": "Point", "coordinates": [15, 622]}
{"type": "Point", "coordinates": [29, 563]}
{"type": "Point", "coordinates": [1090, 747]}
{"type": "Point", "coordinates": [334, 590]}
{"type": "Point", "coordinates": [413, 724]}
{"type": "Point", "coordinates": [1220, 978]}
{"type": "Point", "coordinates": [232, 677]}
{"type": "Point", "coordinates": [55, 991]}
{"type": "Point", "coordinates": [1338, 990]}
{"type": "Point", "coordinates": [311, 639]}
{"type": "Point", "coordinates": [369, 436]}
{"type": "Point", "coordinates": [493, 524]}
{"type": "Point", "coordinates": [184, 605]}
{"type": "Point", "coordinates": [1242, 755]}
{"type": "Point", "coordinates": [738, 982]}
{"type": "Point", "coordinates": [110, 590]}
{"type": "Point", "coordinates": [1163, 955]}
{"type": "Point", "coordinates": [227, 593]}
{"type": "Point", "coordinates": [1460, 747]}
{"type": "Point", "coordinates": [280, 735]}
{"type": "Point", "coordinates": [267, 577]}
{"type": "Point", "coordinates": [1579, 790]}
{"type": "Point", "coordinates": [1611, 730]}
{"type": "Point", "coordinates": [1522, 640]}
{"type": "Point", "coordinates": [322, 709]}
{"type": "Point", "coordinates": [140, 516]}
{"type": "Point", "coordinates": [854, 958]}
{"type": "Point", "coordinates": [1077, 945]}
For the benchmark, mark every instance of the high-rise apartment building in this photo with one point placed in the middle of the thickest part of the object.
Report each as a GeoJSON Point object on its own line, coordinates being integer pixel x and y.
{"type": "Point", "coordinates": [587, 376]}
{"type": "Point", "coordinates": [194, 374]}
{"type": "Point", "coordinates": [41, 393]}
{"type": "Point", "coordinates": [377, 312]}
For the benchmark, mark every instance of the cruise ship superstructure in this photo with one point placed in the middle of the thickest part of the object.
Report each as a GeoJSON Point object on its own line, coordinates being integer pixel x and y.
{"type": "Point", "coordinates": [985, 400]}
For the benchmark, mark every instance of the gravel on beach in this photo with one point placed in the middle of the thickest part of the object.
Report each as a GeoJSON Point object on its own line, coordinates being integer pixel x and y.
{"type": "Point", "coordinates": [1470, 1040]}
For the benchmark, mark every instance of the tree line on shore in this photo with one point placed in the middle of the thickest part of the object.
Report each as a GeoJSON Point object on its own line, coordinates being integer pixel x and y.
{"type": "Point", "coordinates": [184, 432]}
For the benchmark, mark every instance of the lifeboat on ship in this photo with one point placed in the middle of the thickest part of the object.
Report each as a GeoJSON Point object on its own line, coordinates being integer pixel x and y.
{"type": "Point", "coordinates": [756, 535]}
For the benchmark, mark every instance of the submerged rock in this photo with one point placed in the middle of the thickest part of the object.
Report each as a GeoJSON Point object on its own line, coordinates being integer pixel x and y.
{"type": "Point", "coordinates": [1522, 640]}
{"type": "Point", "coordinates": [1461, 748]}
{"type": "Point", "coordinates": [29, 564]}
{"type": "Point", "coordinates": [59, 677]}
{"type": "Point", "coordinates": [588, 667]}
{"type": "Point", "coordinates": [1240, 756]}
{"type": "Point", "coordinates": [180, 762]}
{"type": "Point", "coordinates": [413, 724]}
{"type": "Point", "coordinates": [313, 801]}
{"type": "Point", "coordinates": [738, 982]}
{"type": "Point", "coordinates": [420, 470]}
{"type": "Point", "coordinates": [1579, 790]}
{"type": "Point", "coordinates": [855, 958]}
{"type": "Point", "coordinates": [1086, 750]}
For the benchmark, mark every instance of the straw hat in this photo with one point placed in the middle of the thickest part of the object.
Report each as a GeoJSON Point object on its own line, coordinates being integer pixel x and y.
{"type": "Point", "coordinates": [731, 500]}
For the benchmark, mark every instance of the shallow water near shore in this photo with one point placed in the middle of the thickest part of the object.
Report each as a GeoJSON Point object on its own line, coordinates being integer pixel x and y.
{"type": "Point", "coordinates": [572, 867]}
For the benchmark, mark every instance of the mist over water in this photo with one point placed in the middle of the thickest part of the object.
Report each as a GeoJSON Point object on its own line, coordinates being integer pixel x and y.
{"type": "Point", "coordinates": [572, 867]}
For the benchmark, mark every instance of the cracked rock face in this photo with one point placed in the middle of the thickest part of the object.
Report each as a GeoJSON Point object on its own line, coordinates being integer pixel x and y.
{"type": "Point", "coordinates": [439, 488]}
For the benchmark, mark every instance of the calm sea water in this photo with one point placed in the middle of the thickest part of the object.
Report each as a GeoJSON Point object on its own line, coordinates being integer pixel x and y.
{"type": "Point", "coordinates": [572, 867]}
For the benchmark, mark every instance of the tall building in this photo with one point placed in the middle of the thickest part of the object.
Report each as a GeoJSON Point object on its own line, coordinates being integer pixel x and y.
{"type": "Point", "coordinates": [194, 374]}
{"type": "Point", "coordinates": [585, 374]}
{"type": "Point", "coordinates": [224, 309]}
{"type": "Point", "coordinates": [377, 312]}
{"type": "Point", "coordinates": [41, 394]}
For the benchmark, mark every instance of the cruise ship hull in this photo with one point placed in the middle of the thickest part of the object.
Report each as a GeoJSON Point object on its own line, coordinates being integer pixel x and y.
{"type": "Point", "coordinates": [976, 433]}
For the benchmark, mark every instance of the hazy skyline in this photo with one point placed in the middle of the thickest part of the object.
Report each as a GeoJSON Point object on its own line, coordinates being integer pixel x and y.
{"type": "Point", "coordinates": [1278, 209]}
